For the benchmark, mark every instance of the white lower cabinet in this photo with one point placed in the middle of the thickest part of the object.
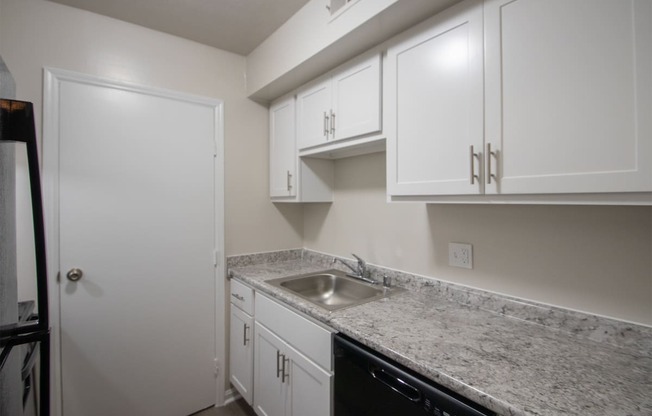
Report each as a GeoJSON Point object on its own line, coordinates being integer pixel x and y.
{"type": "Point", "coordinates": [280, 361]}
{"type": "Point", "coordinates": [241, 353]}
{"type": "Point", "coordinates": [285, 381]}
{"type": "Point", "coordinates": [292, 362]}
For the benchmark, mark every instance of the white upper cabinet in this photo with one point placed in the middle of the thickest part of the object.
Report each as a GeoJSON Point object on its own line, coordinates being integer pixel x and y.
{"type": "Point", "coordinates": [342, 105]}
{"type": "Point", "coordinates": [568, 96]}
{"type": "Point", "coordinates": [294, 179]}
{"type": "Point", "coordinates": [558, 110]}
{"type": "Point", "coordinates": [282, 149]}
{"type": "Point", "coordinates": [313, 114]}
{"type": "Point", "coordinates": [356, 99]}
{"type": "Point", "coordinates": [433, 110]}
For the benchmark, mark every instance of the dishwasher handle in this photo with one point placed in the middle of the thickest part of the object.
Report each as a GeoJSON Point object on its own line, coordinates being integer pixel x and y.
{"type": "Point", "coordinates": [395, 383]}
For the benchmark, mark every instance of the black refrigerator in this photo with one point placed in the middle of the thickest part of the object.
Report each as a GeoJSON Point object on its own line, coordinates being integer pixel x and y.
{"type": "Point", "coordinates": [24, 326]}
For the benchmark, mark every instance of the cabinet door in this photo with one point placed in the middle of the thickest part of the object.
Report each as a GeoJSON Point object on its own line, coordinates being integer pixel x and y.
{"type": "Point", "coordinates": [356, 100]}
{"type": "Point", "coordinates": [313, 114]}
{"type": "Point", "coordinates": [569, 95]}
{"type": "Point", "coordinates": [309, 387]}
{"type": "Point", "coordinates": [282, 149]}
{"type": "Point", "coordinates": [271, 392]}
{"type": "Point", "coordinates": [241, 357]}
{"type": "Point", "coordinates": [434, 105]}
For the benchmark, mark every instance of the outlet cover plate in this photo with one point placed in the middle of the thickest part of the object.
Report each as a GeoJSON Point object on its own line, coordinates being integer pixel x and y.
{"type": "Point", "coordinates": [460, 255]}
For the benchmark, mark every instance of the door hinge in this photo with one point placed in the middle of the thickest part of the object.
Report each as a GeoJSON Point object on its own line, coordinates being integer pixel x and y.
{"type": "Point", "coordinates": [58, 277]}
{"type": "Point", "coordinates": [217, 366]}
{"type": "Point", "coordinates": [216, 258]}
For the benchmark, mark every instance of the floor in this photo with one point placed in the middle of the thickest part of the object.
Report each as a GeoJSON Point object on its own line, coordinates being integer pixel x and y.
{"type": "Point", "coordinates": [236, 408]}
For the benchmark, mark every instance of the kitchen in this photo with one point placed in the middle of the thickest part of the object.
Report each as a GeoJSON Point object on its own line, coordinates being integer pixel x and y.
{"type": "Point", "coordinates": [589, 258]}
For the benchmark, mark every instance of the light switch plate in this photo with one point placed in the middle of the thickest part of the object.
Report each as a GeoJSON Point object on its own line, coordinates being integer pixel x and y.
{"type": "Point", "coordinates": [460, 255]}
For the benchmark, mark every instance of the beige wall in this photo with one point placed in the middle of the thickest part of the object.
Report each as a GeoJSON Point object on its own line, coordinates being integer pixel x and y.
{"type": "Point", "coordinates": [590, 258]}
{"type": "Point", "coordinates": [37, 33]}
{"type": "Point", "coordinates": [596, 259]}
{"type": "Point", "coordinates": [309, 32]}
{"type": "Point", "coordinates": [320, 42]}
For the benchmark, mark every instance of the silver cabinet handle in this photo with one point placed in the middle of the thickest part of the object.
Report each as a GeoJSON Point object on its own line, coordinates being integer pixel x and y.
{"type": "Point", "coordinates": [74, 274]}
{"type": "Point", "coordinates": [240, 298]}
{"type": "Point", "coordinates": [473, 175]}
{"type": "Point", "coordinates": [289, 180]}
{"type": "Point", "coordinates": [278, 365]}
{"type": "Point", "coordinates": [490, 153]}
{"type": "Point", "coordinates": [284, 376]}
{"type": "Point", "coordinates": [326, 120]}
{"type": "Point", "coordinates": [332, 123]}
{"type": "Point", "coordinates": [245, 339]}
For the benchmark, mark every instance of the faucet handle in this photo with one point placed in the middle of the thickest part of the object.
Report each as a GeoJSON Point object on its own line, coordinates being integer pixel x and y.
{"type": "Point", "coordinates": [362, 266]}
{"type": "Point", "coordinates": [360, 261]}
{"type": "Point", "coordinates": [387, 281]}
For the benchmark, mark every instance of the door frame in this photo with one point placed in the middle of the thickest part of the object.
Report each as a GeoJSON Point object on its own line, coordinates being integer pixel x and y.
{"type": "Point", "coordinates": [52, 78]}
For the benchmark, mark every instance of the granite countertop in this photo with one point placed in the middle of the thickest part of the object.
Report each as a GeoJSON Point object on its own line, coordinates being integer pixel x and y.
{"type": "Point", "coordinates": [511, 356]}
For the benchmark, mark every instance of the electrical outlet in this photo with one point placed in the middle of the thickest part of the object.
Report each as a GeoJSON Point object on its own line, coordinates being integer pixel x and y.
{"type": "Point", "coordinates": [460, 255]}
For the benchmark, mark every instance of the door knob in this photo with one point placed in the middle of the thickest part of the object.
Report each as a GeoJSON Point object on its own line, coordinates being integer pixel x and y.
{"type": "Point", "coordinates": [74, 275]}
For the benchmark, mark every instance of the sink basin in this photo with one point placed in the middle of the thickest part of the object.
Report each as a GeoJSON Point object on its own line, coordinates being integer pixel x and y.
{"type": "Point", "coordinates": [332, 289]}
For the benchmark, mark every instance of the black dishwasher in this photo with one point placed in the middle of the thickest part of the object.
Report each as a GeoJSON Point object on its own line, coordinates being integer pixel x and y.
{"type": "Point", "coordinates": [370, 384]}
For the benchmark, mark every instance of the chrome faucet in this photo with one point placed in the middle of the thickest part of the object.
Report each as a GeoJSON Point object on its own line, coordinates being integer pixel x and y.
{"type": "Point", "coordinates": [360, 272]}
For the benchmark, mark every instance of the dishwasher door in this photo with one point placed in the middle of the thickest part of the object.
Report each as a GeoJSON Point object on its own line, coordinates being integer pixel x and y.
{"type": "Point", "coordinates": [370, 384]}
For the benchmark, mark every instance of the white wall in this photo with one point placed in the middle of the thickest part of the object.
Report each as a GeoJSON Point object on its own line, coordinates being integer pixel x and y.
{"type": "Point", "coordinates": [37, 33]}
{"type": "Point", "coordinates": [591, 258]}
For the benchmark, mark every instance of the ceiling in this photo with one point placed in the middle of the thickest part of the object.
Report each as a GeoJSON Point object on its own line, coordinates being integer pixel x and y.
{"type": "Point", "coordinates": [233, 25]}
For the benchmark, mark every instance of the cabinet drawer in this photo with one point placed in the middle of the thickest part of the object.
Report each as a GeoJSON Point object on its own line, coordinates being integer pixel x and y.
{"type": "Point", "coordinates": [242, 296]}
{"type": "Point", "coordinates": [310, 339]}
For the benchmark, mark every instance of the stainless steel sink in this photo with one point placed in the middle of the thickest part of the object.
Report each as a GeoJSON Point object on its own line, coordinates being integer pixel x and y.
{"type": "Point", "coordinates": [332, 289]}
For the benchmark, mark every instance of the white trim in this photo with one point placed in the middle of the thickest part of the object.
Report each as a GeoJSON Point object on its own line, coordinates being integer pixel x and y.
{"type": "Point", "coordinates": [50, 157]}
{"type": "Point", "coordinates": [220, 268]}
{"type": "Point", "coordinates": [231, 395]}
{"type": "Point", "coordinates": [51, 81]}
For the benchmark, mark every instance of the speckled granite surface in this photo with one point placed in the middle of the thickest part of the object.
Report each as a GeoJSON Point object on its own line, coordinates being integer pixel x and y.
{"type": "Point", "coordinates": [513, 357]}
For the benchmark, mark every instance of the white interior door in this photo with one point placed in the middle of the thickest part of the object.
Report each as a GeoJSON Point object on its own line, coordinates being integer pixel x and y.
{"type": "Point", "coordinates": [137, 216]}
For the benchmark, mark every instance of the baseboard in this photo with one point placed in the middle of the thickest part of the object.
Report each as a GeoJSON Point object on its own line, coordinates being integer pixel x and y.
{"type": "Point", "coordinates": [231, 395]}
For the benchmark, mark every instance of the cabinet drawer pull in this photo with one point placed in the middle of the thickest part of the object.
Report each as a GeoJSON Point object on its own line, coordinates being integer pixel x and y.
{"type": "Point", "coordinates": [289, 180]}
{"type": "Point", "coordinates": [326, 120]}
{"type": "Point", "coordinates": [284, 376]}
{"type": "Point", "coordinates": [278, 364]}
{"type": "Point", "coordinates": [473, 175]}
{"type": "Point", "coordinates": [240, 298]}
{"type": "Point", "coordinates": [244, 335]}
{"type": "Point", "coordinates": [332, 123]}
{"type": "Point", "coordinates": [490, 154]}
